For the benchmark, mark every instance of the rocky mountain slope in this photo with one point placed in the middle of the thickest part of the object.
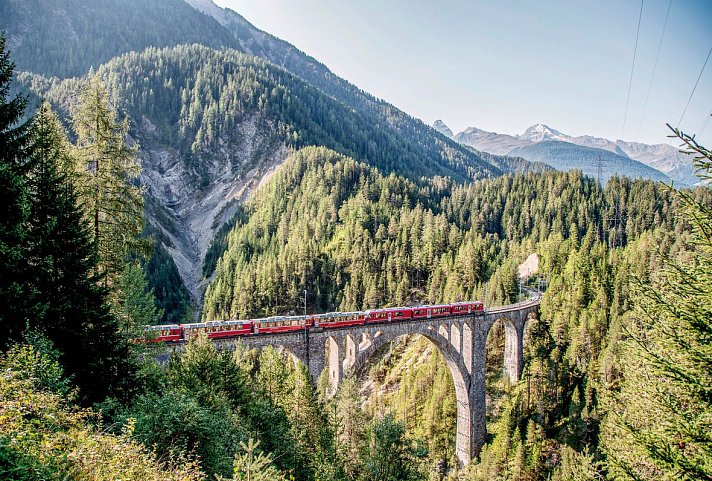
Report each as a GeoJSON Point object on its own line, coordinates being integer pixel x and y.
{"type": "Point", "coordinates": [213, 124]}
{"type": "Point", "coordinates": [662, 157]}
{"type": "Point", "coordinates": [65, 38]}
{"type": "Point", "coordinates": [206, 145]}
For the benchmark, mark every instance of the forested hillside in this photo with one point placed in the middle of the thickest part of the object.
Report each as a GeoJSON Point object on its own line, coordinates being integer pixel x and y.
{"type": "Point", "coordinates": [164, 153]}
{"type": "Point", "coordinates": [565, 156]}
{"type": "Point", "coordinates": [355, 239]}
{"type": "Point", "coordinates": [65, 38]}
{"type": "Point", "coordinates": [211, 124]}
{"type": "Point", "coordinates": [195, 96]}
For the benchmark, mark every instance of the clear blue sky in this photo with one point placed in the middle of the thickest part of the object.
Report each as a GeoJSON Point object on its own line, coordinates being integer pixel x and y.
{"type": "Point", "coordinates": [503, 65]}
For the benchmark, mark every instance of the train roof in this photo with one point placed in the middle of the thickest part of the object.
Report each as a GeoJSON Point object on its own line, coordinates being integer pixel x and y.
{"type": "Point", "coordinates": [389, 309]}
{"type": "Point", "coordinates": [336, 314]}
{"type": "Point", "coordinates": [160, 327]}
{"type": "Point", "coordinates": [197, 325]}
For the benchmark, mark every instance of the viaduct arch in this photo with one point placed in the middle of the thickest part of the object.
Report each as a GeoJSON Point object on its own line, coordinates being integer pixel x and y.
{"type": "Point", "coordinates": [461, 340]}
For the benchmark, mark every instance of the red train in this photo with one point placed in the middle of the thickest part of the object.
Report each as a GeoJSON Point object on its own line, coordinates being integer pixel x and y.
{"type": "Point", "coordinates": [218, 329]}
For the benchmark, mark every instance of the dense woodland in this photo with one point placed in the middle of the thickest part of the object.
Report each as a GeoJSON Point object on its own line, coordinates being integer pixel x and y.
{"type": "Point", "coordinates": [357, 239]}
{"type": "Point", "coordinates": [616, 382]}
{"type": "Point", "coordinates": [196, 95]}
{"type": "Point", "coordinates": [94, 34]}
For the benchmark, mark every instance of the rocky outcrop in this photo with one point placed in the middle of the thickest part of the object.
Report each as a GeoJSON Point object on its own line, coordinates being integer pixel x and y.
{"type": "Point", "coordinates": [188, 207]}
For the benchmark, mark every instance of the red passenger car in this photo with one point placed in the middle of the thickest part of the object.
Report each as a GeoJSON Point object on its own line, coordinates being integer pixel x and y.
{"type": "Point", "coordinates": [465, 308]}
{"type": "Point", "coordinates": [280, 324]}
{"type": "Point", "coordinates": [164, 333]}
{"type": "Point", "coordinates": [388, 315]}
{"type": "Point", "coordinates": [428, 312]}
{"type": "Point", "coordinates": [217, 329]}
{"type": "Point", "coordinates": [338, 319]}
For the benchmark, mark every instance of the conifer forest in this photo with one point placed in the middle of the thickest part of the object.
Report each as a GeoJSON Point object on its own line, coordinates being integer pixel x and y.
{"type": "Point", "coordinates": [167, 163]}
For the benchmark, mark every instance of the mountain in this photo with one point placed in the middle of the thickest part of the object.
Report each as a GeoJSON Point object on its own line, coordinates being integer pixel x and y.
{"type": "Point", "coordinates": [499, 144]}
{"type": "Point", "coordinates": [541, 132]}
{"type": "Point", "coordinates": [90, 32]}
{"type": "Point", "coordinates": [568, 156]}
{"type": "Point", "coordinates": [440, 126]}
{"type": "Point", "coordinates": [65, 38]}
{"type": "Point", "coordinates": [214, 124]}
{"type": "Point", "coordinates": [662, 157]}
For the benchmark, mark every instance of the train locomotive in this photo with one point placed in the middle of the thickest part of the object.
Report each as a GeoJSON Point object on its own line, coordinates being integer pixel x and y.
{"type": "Point", "coordinates": [276, 324]}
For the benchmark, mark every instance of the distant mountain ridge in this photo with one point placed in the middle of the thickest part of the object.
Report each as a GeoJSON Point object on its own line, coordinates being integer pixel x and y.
{"type": "Point", "coordinates": [567, 156]}
{"type": "Point", "coordinates": [662, 157]}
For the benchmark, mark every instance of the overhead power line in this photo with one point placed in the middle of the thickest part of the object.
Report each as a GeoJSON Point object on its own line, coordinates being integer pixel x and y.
{"type": "Point", "coordinates": [655, 66]}
{"type": "Point", "coordinates": [694, 88]}
{"type": "Point", "coordinates": [704, 126]}
{"type": "Point", "coordinates": [632, 67]}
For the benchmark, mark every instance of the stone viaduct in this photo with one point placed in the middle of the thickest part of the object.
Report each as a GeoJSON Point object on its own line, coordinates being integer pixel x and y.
{"type": "Point", "coordinates": [461, 340]}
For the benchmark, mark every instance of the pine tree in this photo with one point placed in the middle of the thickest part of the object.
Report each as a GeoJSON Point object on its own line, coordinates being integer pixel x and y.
{"type": "Point", "coordinates": [135, 305]}
{"type": "Point", "coordinates": [71, 305]}
{"type": "Point", "coordinates": [108, 170]}
{"type": "Point", "coordinates": [15, 148]}
{"type": "Point", "coordinates": [389, 456]}
{"type": "Point", "coordinates": [659, 424]}
{"type": "Point", "coordinates": [254, 465]}
{"type": "Point", "coordinates": [352, 423]}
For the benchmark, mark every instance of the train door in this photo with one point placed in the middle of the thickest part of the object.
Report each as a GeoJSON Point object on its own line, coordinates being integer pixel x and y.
{"type": "Point", "coordinates": [430, 313]}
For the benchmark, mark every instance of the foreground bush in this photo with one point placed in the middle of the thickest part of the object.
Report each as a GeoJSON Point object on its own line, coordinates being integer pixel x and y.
{"type": "Point", "coordinates": [43, 437]}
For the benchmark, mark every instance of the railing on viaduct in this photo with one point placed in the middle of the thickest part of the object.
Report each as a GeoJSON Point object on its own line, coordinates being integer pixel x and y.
{"type": "Point", "coordinates": [461, 340]}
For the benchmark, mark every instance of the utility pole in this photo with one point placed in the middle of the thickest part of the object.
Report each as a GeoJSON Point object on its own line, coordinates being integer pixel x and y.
{"type": "Point", "coordinates": [520, 289]}
{"type": "Point", "coordinates": [599, 169]}
{"type": "Point", "coordinates": [616, 219]}
{"type": "Point", "coordinates": [306, 329]}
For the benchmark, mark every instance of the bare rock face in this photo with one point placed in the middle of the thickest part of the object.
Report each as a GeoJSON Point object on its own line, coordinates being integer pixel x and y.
{"type": "Point", "coordinates": [440, 126]}
{"type": "Point", "coordinates": [189, 205]}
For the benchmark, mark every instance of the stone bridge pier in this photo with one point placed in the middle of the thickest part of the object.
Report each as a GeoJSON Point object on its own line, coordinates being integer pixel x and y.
{"type": "Point", "coordinates": [461, 341]}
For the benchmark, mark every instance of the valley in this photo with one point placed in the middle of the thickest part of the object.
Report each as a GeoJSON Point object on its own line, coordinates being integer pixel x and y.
{"type": "Point", "coordinates": [220, 260]}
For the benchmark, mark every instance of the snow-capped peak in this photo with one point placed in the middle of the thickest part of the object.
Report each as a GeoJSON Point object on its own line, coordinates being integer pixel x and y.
{"type": "Point", "coordinates": [539, 132]}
